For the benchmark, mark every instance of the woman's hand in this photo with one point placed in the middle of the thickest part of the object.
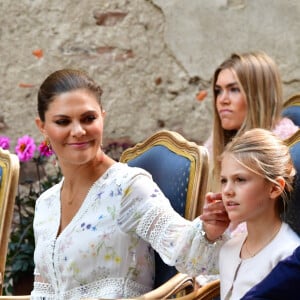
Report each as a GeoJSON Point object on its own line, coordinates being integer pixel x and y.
{"type": "Point", "coordinates": [214, 216]}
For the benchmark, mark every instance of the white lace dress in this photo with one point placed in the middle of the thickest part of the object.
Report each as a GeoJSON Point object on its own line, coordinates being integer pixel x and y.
{"type": "Point", "coordinates": [106, 250]}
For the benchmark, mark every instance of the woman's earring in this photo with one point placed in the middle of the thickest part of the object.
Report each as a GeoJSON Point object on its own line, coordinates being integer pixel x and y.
{"type": "Point", "coordinates": [45, 148]}
{"type": "Point", "coordinates": [50, 152]}
{"type": "Point", "coordinates": [48, 144]}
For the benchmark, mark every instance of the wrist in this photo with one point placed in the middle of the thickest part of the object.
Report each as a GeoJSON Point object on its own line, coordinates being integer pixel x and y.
{"type": "Point", "coordinates": [208, 239]}
{"type": "Point", "coordinates": [212, 240]}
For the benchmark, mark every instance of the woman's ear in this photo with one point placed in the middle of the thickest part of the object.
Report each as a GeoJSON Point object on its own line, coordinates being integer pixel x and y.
{"type": "Point", "coordinates": [277, 189]}
{"type": "Point", "coordinates": [40, 125]}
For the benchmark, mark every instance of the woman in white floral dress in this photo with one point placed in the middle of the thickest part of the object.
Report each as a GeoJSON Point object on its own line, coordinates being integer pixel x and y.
{"type": "Point", "coordinates": [95, 231]}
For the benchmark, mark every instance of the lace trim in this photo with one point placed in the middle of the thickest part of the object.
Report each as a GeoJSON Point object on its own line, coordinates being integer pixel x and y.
{"type": "Point", "coordinates": [152, 225]}
{"type": "Point", "coordinates": [105, 288]}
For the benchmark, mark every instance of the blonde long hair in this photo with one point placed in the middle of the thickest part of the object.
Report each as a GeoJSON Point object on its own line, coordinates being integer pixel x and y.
{"type": "Point", "coordinates": [259, 80]}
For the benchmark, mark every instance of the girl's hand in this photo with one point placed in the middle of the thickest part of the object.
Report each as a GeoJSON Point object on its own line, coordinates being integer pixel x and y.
{"type": "Point", "coordinates": [214, 216]}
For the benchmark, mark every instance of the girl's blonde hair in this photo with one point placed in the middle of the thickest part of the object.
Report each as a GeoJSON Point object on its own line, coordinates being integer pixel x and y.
{"type": "Point", "coordinates": [262, 152]}
{"type": "Point", "coordinates": [259, 80]}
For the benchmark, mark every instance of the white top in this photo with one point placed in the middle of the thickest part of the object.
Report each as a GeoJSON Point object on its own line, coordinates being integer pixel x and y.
{"type": "Point", "coordinates": [240, 275]}
{"type": "Point", "coordinates": [106, 250]}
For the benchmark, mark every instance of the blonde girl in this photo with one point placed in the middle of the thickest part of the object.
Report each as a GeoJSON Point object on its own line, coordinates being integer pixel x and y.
{"type": "Point", "coordinates": [256, 178]}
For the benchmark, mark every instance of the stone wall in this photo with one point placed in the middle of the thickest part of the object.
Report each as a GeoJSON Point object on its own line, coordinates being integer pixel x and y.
{"type": "Point", "coordinates": [150, 57]}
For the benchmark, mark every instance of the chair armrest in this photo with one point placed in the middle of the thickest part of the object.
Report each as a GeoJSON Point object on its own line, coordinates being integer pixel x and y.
{"type": "Point", "coordinates": [177, 284]}
{"type": "Point", "coordinates": [206, 292]}
{"type": "Point", "coordinates": [180, 283]}
{"type": "Point", "coordinates": [27, 297]}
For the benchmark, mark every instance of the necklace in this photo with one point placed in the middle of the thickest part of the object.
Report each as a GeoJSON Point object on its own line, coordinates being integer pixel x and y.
{"type": "Point", "coordinates": [251, 254]}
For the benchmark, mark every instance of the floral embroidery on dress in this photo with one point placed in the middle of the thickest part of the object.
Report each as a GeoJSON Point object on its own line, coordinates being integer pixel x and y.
{"type": "Point", "coordinates": [107, 248]}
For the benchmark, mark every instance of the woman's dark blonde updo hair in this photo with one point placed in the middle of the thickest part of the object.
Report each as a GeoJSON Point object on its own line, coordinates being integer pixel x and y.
{"type": "Point", "coordinates": [63, 81]}
{"type": "Point", "coordinates": [262, 152]}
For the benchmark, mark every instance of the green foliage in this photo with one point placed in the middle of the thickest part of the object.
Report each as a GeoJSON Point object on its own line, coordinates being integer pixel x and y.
{"type": "Point", "coordinates": [21, 247]}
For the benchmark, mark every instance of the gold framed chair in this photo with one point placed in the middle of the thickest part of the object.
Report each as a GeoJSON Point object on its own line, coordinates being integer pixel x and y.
{"type": "Point", "coordinates": [210, 291]}
{"type": "Point", "coordinates": [9, 177]}
{"type": "Point", "coordinates": [292, 213]}
{"type": "Point", "coordinates": [180, 168]}
{"type": "Point", "coordinates": [291, 109]}
{"type": "Point", "coordinates": [27, 297]}
{"type": "Point", "coordinates": [178, 284]}
{"type": "Point", "coordinates": [174, 146]}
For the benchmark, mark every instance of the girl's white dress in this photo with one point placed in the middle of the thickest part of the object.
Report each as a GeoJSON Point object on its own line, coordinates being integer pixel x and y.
{"type": "Point", "coordinates": [106, 250]}
{"type": "Point", "coordinates": [240, 275]}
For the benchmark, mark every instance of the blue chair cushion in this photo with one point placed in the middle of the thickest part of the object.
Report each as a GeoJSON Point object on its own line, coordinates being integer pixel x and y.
{"type": "Point", "coordinates": [158, 161]}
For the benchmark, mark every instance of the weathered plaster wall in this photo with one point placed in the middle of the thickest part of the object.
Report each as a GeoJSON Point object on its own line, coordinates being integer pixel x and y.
{"type": "Point", "coordinates": [150, 57]}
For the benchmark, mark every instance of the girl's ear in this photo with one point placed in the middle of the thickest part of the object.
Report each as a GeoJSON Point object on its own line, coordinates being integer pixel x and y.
{"type": "Point", "coordinates": [40, 125]}
{"type": "Point", "coordinates": [277, 189]}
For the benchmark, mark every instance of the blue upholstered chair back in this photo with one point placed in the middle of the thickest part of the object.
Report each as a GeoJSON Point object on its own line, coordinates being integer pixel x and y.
{"type": "Point", "coordinates": [169, 170]}
{"type": "Point", "coordinates": [179, 168]}
{"type": "Point", "coordinates": [291, 109]}
{"type": "Point", "coordinates": [292, 215]}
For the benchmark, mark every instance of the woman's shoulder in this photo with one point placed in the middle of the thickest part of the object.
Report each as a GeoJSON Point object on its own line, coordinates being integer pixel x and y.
{"type": "Point", "coordinates": [128, 171]}
{"type": "Point", "coordinates": [52, 189]}
{"type": "Point", "coordinates": [120, 174]}
{"type": "Point", "coordinates": [50, 193]}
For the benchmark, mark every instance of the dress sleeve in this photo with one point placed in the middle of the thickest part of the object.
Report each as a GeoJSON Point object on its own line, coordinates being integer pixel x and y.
{"type": "Point", "coordinates": [179, 242]}
{"type": "Point", "coordinates": [285, 128]}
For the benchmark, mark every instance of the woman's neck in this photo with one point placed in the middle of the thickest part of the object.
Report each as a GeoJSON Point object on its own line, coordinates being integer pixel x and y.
{"type": "Point", "coordinates": [89, 172]}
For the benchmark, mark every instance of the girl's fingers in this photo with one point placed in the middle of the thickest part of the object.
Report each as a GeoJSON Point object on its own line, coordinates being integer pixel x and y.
{"type": "Point", "coordinates": [214, 216]}
{"type": "Point", "coordinates": [219, 217]}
